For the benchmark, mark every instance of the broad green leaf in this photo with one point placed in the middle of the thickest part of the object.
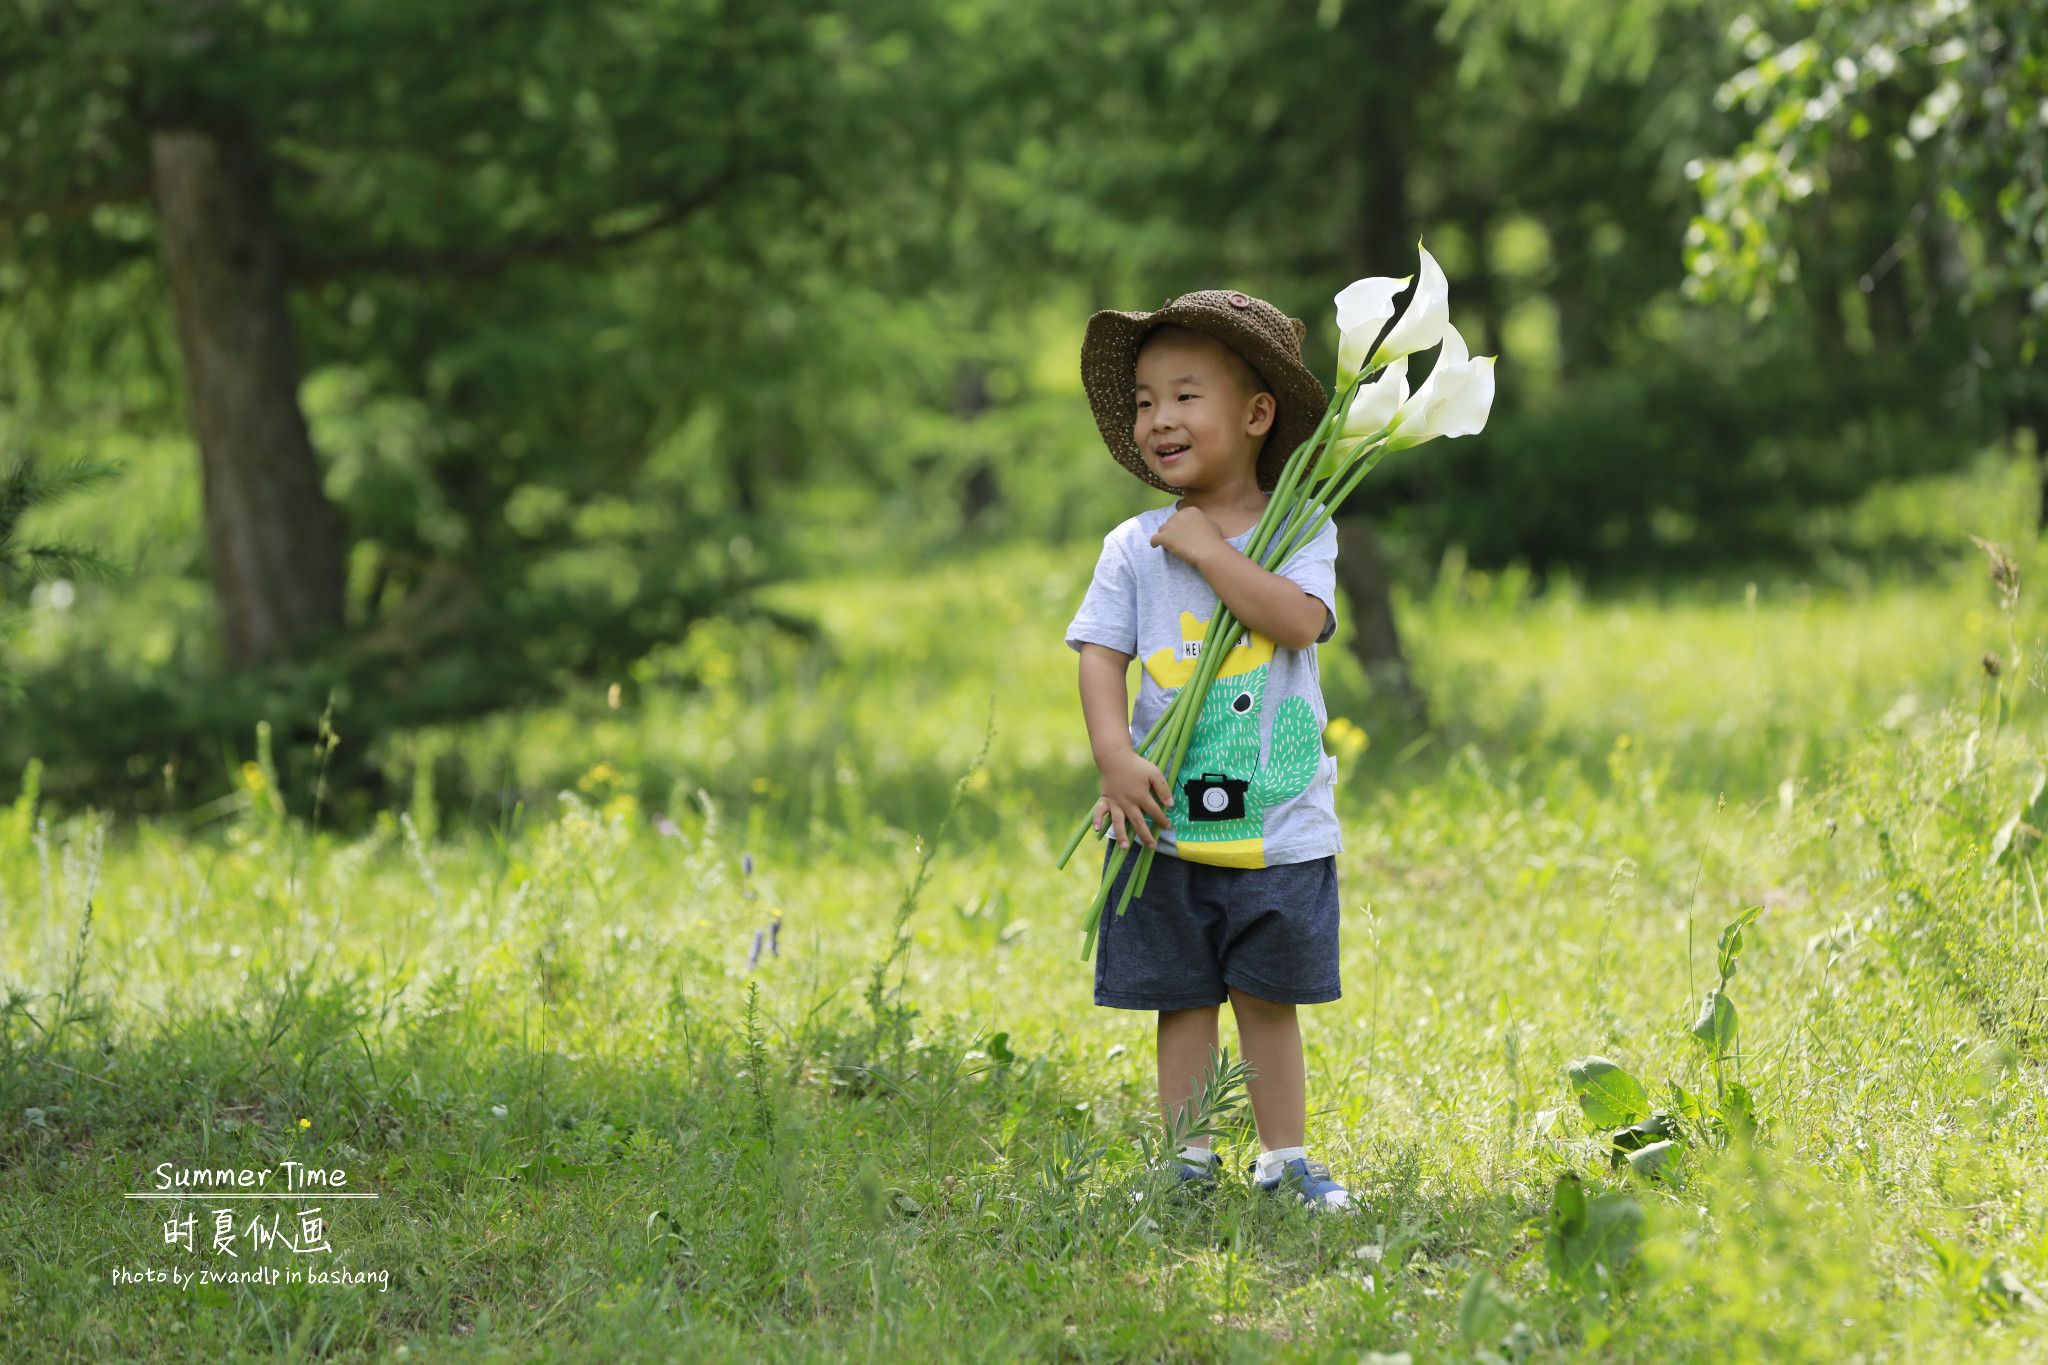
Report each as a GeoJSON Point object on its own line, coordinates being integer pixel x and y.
{"type": "Point", "coordinates": [1738, 1112]}
{"type": "Point", "coordinates": [1659, 1127]}
{"type": "Point", "coordinates": [1610, 1097]}
{"type": "Point", "coordinates": [1731, 939]}
{"type": "Point", "coordinates": [1587, 1233]}
{"type": "Point", "coordinates": [2029, 814]}
{"type": "Point", "coordinates": [1613, 1223]}
{"type": "Point", "coordinates": [1715, 1023]}
{"type": "Point", "coordinates": [1567, 1224]}
{"type": "Point", "coordinates": [1481, 1311]}
{"type": "Point", "coordinates": [1657, 1159]}
{"type": "Point", "coordinates": [1688, 1106]}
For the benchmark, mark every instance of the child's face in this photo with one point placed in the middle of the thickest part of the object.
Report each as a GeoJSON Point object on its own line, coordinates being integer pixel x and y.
{"type": "Point", "coordinates": [1202, 416]}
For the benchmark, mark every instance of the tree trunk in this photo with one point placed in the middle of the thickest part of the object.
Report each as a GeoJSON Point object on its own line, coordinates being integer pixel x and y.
{"type": "Point", "coordinates": [1386, 37]}
{"type": "Point", "coordinates": [981, 493]}
{"type": "Point", "coordinates": [742, 476]}
{"type": "Point", "coordinates": [274, 539]}
{"type": "Point", "coordinates": [1363, 579]}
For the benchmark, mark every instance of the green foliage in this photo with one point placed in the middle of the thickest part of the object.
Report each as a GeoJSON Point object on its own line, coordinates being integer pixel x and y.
{"type": "Point", "coordinates": [1609, 1096]}
{"type": "Point", "coordinates": [577, 298]}
{"type": "Point", "coordinates": [1219, 1095]}
{"type": "Point", "coordinates": [1589, 1239]}
{"type": "Point", "coordinates": [24, 488]}
{"type": "Point", "coordinates": [1715, 1026]}
{"type": "Point", "coordinates": [535, 1038]}
{"type": "Point", "coordinates": [608, 320]}
{"type": "Point", "coordinates": [1653, 1143]}
{"type": "Point", "coordinates": [2030, 819]}
{"type": "Point", "coordinates": [1982, 1282]}
{"type": "Point", "coordinates": [757, 1070]}
{"type": "Point", "coordinates": [1909, 116]}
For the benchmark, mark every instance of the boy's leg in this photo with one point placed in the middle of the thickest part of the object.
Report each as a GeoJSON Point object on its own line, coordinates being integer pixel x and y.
{"type": "Point", "coordinates": [1185, 1040]}
{"type": "Point", "coordinates": [1270, 1037]}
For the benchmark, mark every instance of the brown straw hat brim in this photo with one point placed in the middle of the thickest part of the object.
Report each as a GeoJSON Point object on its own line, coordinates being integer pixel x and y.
{"type": "Point", "coordinates": [1268, 339]}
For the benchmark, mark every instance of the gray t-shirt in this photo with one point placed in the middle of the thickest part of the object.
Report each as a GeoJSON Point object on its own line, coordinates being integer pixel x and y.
{"type": "Point", "coordinates": [1254, 788]}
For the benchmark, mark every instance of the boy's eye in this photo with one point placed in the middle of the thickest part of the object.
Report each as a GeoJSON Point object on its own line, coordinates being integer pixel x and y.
{"type": "Point", "coordinates": [1188, 395]}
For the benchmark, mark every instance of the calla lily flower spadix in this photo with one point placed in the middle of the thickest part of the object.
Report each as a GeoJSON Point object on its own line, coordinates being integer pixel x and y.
{"type": "Point", "coordinates": [1364, 421]}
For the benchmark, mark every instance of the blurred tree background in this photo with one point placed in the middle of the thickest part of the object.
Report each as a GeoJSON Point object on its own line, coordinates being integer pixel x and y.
{"type": "Point", "coordinates": [461, 355]}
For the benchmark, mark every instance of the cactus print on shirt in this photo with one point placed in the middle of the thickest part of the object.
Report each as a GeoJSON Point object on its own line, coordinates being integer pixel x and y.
{"type": "Point", "coordinates": [1255, 787]}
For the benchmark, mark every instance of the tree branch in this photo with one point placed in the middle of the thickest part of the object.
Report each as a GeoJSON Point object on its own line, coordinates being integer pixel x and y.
{"type": "Point", "coordinates": [496, 258]}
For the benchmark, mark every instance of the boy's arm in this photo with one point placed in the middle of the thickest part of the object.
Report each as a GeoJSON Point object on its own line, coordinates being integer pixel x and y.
{"type": "Point", "coordinates": [1105, 701]}
{"type": "Point", "coordinates": [1278, 608]}
{"type": "Point", "coordinates": [1135, 796]}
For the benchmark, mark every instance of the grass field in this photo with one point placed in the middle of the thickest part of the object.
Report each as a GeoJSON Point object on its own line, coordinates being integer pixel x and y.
{"type": "Point", "coordinates": [768, 1037]}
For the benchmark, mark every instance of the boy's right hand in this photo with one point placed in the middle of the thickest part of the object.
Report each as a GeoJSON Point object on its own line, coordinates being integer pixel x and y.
{"type": "Point", "coordinates": [1133, 788]}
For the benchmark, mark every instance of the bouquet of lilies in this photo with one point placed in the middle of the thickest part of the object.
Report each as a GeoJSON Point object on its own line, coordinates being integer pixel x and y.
{"type": "Point", "coordinates": [1371, 414]}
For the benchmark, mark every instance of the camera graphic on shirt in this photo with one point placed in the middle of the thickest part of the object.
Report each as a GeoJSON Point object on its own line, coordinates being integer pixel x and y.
{"type": "Point", "coordinates": [1215, 796]}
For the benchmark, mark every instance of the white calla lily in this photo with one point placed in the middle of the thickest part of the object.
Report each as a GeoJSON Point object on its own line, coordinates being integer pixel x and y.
{"type": "Point", "coordinates": [1376, 403]}
{"type": "Point", "coordinates": [1372, 408]}
{"type": "Point", "coordinates": [1453, 401]}
{"type": "Point", "coordinates": [1429, 312]}
{"type": "Point", "coordinates": [1454, 352]}
{"type": "Point", "coordinates": [1362, 309]}
{"type": "Point", "coordinates": [1462, 407]}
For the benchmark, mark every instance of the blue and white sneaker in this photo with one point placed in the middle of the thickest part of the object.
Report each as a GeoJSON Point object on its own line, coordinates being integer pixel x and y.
{"type": "Point", "coordinates": [1309, 1180]}
{"type": "Point", "coordinates": [1190, 1176]}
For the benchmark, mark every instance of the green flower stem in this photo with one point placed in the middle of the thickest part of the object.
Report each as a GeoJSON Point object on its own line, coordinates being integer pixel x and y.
{"type": "Point", "coordinates": [1166, 720]}
{"type": "Point", "coordinates": [1086, 824]}
{"type": "Point", "coordinates": [1345, 481]}
{"type": "Point", "coordinates": [1095, 908]}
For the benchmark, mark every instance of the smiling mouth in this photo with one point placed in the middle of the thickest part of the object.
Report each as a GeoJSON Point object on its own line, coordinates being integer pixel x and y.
{"type": "Point", "coordinates": [1172, 453]}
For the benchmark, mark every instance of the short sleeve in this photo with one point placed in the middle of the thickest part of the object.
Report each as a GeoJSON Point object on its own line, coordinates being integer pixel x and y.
{"type": "Point", "coordinates": [1109, 612]}
{"type": "Point", "coordinates": [1314, 567]}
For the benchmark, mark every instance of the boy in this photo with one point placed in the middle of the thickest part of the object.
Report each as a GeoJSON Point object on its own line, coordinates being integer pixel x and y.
{"type": "Point", "coordinates": [1207, 397]}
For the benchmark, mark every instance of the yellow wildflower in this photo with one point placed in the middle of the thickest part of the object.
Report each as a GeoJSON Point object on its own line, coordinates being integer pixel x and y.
{"type": "Point", "coordinates": [1346, 737]}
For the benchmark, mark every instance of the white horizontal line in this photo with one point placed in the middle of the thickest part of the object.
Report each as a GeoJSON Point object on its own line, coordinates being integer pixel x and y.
{"type": "Point", "coordinates": [330, 1194]}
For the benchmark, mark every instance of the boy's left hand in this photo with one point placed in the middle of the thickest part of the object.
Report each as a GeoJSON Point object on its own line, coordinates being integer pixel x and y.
{"type": "Point", "coordinates": [1189, 534]}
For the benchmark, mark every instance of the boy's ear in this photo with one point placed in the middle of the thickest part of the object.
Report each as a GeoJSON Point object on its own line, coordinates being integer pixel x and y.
{"type": "Point", "coordinates": [1265, 410]}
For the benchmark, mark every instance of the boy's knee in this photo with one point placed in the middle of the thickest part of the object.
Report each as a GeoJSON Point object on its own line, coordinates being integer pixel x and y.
{"type": "Point", "coordinates": [1242, 1003]}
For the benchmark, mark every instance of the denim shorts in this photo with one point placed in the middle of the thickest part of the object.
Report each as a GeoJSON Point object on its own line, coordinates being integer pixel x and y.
{"type": "Point", "coordinates": [1198, 929]}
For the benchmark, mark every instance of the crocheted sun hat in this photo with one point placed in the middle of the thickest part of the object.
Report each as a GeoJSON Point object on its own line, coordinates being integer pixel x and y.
{"type": "Point", "coordinates": [1268, 339]}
